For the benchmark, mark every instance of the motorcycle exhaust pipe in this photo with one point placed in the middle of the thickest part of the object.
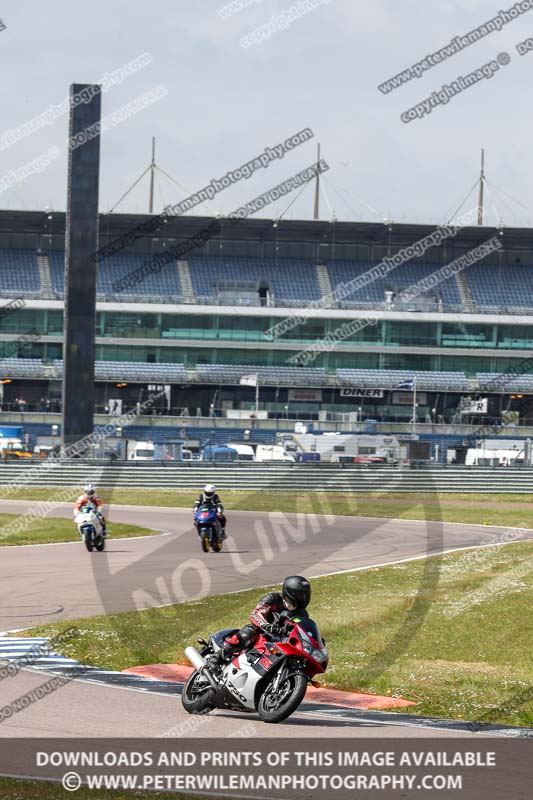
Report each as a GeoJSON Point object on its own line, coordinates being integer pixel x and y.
{"type": "Point", "coordinates": [198, 663]}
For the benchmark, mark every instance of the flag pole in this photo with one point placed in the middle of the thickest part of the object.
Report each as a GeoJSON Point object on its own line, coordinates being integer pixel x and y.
{"type": "Point", "coordinates": [414, 402]}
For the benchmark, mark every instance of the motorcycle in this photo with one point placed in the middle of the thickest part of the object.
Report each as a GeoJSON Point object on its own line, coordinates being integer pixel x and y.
{"type": "Point", "coordinates": [90, 528]}
{"type": "Point", "coordinates": [209, 528]}
{"type": "Point", "coordinates": [271, 678]}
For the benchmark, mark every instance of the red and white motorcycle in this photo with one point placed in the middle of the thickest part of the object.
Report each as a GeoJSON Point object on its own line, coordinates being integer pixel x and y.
{"type": "Point", "coordinates": [270, 678]}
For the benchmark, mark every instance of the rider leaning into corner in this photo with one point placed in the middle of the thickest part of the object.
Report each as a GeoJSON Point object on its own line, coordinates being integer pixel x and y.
{"type": "Point", "coordinates": [90, 498]}
{"type": "Point", "coordinates": [272, 610]}
{"type": "Point", "coordinates": [210, 496]}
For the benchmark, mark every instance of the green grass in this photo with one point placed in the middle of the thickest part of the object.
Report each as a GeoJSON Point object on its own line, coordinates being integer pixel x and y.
{"type": "Point", "coordinates": [508, 510]}
{"type": "Point", "coordinates": [409, 630]}
{"type": "Point", "coordinates": [11, 789]}
{"type": "Point", "coordinates": [46, 531]}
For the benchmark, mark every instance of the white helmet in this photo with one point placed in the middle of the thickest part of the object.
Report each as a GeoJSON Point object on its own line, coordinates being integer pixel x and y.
{"type": "Point", "coordinates": [209, 490]}
{"type": "Point", "coordinates": [89, 490]}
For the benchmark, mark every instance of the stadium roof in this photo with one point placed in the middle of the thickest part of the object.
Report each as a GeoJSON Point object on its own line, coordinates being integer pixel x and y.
{"type": "Point", "coordinates": [252, 229]}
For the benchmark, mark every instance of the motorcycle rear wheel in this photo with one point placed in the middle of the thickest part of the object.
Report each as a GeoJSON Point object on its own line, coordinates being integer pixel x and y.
{"type": "Point", "coordinates": [217, 546]}
{"type": "Point", "coordinates": [197, 699]}
{"type": "Point", "coordinates": [101, 546]}
{"type": "Point", "coordinates": [273, 708]}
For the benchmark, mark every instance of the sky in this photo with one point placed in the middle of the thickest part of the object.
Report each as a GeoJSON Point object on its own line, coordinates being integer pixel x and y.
{"type": "Point", "coordinates": [223, 103]}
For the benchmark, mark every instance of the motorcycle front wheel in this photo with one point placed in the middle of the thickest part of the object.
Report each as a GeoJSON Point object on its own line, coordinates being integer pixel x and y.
{"type": "Point", "coordinates": [275, 706]}
{"type": "Point", "coordinates": [88, 539]}
{"type": "Point", "coordinates": [197, 695]}
{"type": "Point", "coordinates": [205, 542]}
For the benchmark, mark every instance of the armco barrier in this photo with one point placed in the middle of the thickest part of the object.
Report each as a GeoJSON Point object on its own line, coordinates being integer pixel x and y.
{"type": "Point", "coordinates": [253, 476]}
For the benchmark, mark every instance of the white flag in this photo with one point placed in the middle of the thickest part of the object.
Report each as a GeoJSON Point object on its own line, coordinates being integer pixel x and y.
{"type": "Point", "coordinates": [249, 380]}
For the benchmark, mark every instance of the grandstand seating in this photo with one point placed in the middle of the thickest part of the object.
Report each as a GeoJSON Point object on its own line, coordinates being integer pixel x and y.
{"type": "Point", "coordinates": [292, 282]}
{"type": "Point", "coordinates": [273, 376]}
{"type": "Point", "coordinates": [342, 272]}
{"type": "Point", "coordinates": [289, 280]}
{"type": "Point", "coordinates": [133, 371]}
{"type": "Point", "coordinates": [19, 272]}
{"type": "Point", "coordinates": [501, 382]}
{"type": "Point", "coordinates": [392, 378]}
{"type": "Point", "coordinates": [21, 368]}
{"type": "Point", "coordinates": [164, 283]}
{"type": "Point", "coordinates": [510, 285]}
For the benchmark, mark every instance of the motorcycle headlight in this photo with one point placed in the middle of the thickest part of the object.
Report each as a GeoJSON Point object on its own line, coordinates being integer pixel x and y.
{"type": "Point", "coordinates": [307, 647]}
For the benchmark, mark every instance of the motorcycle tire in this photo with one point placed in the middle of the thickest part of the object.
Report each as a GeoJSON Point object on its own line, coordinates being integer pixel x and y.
{"type": "Point", "coordinates": [267, 708]}
{"type": "Point", "coordinates": [217, 546]}
{"type": "Point", "coordinates": [197, 702]}
{"type": "Point", "coordinates": [100, 546]}
{"type": "Point", "coordinates": [205, 543]}
{"type": "Point", "coordinates": [88, 539]}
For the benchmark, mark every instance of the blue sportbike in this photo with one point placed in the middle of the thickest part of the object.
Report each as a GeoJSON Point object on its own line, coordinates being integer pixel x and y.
{"type": "Point", "coordinates": [209, 528]}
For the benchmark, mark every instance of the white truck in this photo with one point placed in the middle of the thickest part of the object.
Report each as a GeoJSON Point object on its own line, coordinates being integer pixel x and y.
{"type": "Point", "coordinates": [272, 452]}
{"type": "Point", "coordinates": [140, 451]}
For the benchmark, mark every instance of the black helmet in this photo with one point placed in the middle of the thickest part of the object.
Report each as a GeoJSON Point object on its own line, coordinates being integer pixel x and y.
{"type": "Point", "coordinates": [297, 591]}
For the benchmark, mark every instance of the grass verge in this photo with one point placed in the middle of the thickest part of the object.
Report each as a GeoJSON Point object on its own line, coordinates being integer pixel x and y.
{"type": "Point", "coordinates": [508, 510]}
{"type": "Point", "coordinates": [41, 790]}
{"type": "Point", "coordinates": [47, 531]}
{"type": "Point", "coordinates": [459, 643]}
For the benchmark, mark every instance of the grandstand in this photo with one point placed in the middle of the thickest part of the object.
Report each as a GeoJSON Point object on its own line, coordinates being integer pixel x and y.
{"type": "Point", "coordinates": [202, 322]}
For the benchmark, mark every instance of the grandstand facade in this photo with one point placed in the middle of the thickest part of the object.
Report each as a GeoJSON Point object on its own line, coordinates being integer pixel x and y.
{"type": "Point", "coordinates": [201, 322]}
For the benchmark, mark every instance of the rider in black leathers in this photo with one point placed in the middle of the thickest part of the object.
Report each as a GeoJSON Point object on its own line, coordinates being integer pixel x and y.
{"type": "Point", "coordinates": [273, 608]}
{"type": "Point", "coordinates": [209, 495]}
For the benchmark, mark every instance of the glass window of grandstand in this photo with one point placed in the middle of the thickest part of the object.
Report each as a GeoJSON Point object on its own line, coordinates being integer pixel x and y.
{"type": "Point", "coordinates": [54, 323]}
{"type": "Point", "coordinates": [23, 320]}
{"type": "Point", "coordinates": [116, 325]}
{"type": "Point", "coordinates": [406, 361]}
{"type": "Point", "coordinates": [469, 365]}
{"type": "Point", "coordinates": [306, 331]}
{"type": "Point", "coordinates": [511, 336]}
{"type": "Point", "coordinates": [188, 326]}
{"type": "Point", "coordinates": [459, 335]}
{"type": "Point", "coordinates": [146, 355]}
{"type": "Point", "coordinates": [245, 329]}
{"type": "Point", "coordinates": [411, 333]}
{"type": "Point", "coordinates": [336, 360]}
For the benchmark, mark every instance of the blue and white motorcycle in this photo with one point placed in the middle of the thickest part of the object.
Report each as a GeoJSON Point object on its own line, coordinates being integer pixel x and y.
{"type": "Point", "coordinates": [90, 528]}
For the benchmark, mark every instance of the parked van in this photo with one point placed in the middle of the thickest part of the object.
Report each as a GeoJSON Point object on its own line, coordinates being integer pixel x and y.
{"type": "Point", "coordinates": [141, 451]}
{"type": "Point", "coordinates": [272, 452]}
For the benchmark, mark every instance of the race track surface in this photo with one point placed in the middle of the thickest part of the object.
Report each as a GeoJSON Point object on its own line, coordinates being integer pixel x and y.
{"type": "Point", "coordinates": [48, 583]}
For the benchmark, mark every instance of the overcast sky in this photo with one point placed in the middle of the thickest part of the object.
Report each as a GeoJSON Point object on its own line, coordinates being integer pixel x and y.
{"type": "Point", "coordinates": [226, 103]}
